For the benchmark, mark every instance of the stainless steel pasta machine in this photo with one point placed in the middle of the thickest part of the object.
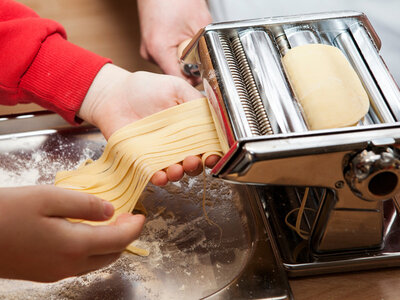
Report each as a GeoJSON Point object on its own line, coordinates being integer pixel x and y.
{"type": "Point", "coordinates": [338, 185]}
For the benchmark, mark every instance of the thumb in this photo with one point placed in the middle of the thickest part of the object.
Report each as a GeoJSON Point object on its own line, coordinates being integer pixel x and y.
{"type": "Point", "coordinates": [169, 62]}
{"type": "Point", "coordinates": [117, 236]}
{"type": "Point", "coordinates": [76, 205]}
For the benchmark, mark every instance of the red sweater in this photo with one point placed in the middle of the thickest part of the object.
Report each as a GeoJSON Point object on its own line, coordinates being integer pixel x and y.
{"type": "Point", "coordinates": [38, 64]}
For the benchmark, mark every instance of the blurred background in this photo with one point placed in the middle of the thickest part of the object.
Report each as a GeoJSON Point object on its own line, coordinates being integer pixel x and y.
{"type": "Point", "coordinates": [111, 28]}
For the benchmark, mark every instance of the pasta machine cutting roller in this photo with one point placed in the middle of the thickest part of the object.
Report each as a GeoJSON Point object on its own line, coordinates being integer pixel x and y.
{"type": "Point", "coordinates": [328, 196]}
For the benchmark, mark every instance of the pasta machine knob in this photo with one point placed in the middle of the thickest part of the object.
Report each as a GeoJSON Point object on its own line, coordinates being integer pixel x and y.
{"type": "Point", "coordinates": [374, 174]}
{"type": "Point", "coordinates": [190, 70]}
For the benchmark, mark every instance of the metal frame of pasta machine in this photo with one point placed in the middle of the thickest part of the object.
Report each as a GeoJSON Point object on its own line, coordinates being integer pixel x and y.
{"type": "Point", "coordinates": [351, 214]}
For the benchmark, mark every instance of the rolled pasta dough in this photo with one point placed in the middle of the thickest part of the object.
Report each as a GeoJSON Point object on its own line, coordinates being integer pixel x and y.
{"type": "Point", "coordinates": [326, 86]}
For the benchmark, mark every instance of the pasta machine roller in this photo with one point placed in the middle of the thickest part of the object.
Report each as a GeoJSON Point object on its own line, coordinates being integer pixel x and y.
{"type": "Point", "coordinates": [342, 180]}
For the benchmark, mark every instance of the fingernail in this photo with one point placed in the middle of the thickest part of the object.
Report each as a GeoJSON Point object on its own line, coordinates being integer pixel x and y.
{"type": "Point", "coordinates": [108, 209]}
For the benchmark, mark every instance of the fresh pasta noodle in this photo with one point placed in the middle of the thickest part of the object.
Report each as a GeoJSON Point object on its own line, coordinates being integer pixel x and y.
{"type": "Point", "coordinates": [135, 152]}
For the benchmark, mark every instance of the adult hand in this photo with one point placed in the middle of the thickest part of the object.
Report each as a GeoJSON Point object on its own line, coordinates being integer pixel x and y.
{"type": "Point", "coordinates": [38, 243]}
{"type": "Point", "coordinates": [118, 97]}
{"type": "Point", "coordinates": [165, 24]}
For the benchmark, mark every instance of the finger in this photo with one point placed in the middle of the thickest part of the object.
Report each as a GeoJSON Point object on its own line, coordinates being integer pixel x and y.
{"type": "Point", "coordinates": [143, 51]}
{"type": "Point", "coordinates": [159, 178]}
{"type": "Point", "coordinates": [107, 239]}
{"type": "Point", "coordinates": [96, 262]}
{"type": "Point", "coordinates": [192, 165]}
{"type": "Point", "coordinates": [75, 205]}
{"type": "Point", "coordinates": [212, 160]}
{"type": "Point", "coordinates": [169, 62]}
{"type": "Point", "coordinates": [175, 172]}
{"type": "Point", "coordinates": [173, 67]}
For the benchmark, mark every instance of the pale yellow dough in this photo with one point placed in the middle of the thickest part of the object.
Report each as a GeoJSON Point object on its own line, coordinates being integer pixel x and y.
{"type": "Point", "coordinates": [326, 86]}
{"type": "Point", "coordinates": [135, 152]}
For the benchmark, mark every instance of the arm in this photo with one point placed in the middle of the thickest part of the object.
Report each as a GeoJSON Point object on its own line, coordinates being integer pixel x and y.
{"type": "Point", "coordinates": [57, 75]}
{"type": "Point", "coordinates": [39, 65]}
{"type": "Point", "coordinates": [165, 24]}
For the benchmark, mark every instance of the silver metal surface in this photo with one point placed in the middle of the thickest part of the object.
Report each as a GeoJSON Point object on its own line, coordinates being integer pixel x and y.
{"type": "Point", "coordinates": [190, 70]}
{"type": "Point", "coordinates": [268, 73]}
{"type": "Point", "coordinates": [347, 17]}
{"type": "Point", "coordinates": [382, 76]}
{"type": "Point", "coordinates": [263, 122]}
{"type": "Point", "coordinates": [342, 221]}
{"type": "Point", "coordinates": [312, 143]}
{"type": "Point", "coordinates": [281, 40]}
{"type": "Point", "coordinates": [240, 86]}
{"type": "Point", "coordinates": [374, 175]}
{"type": "Point", "coordinates": [299, 259]}
{"type": "Point", "coordinates": [189, 258]}
{"type": "Point", "coordinates": [345, 222]}
{"type": "Point", "coordinates": [241, 128]}
{"type": "Point", "coordinates": [378, 104]}
{"type": "Point", "coordinates": [319, 162]}
{"type": "Point", "coordinates": [302, 36]}
{"type": "Point", "coordinates": [264, 59]}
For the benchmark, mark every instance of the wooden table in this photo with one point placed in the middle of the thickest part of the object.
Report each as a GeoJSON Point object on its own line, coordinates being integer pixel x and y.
{"type": "Point", "coordinates": [110, 28]}
{"type": "Point", "coordinates": [367, 285]}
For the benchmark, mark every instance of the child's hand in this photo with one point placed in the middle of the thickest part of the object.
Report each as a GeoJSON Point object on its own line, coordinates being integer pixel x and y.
{"type": "Point", "coordinates": [118, 97]}
{"type": "Point", "coordinates": [38, 243]}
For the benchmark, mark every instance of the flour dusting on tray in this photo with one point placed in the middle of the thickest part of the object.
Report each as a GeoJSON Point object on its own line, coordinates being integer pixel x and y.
{"type": "Point", "coordinates": [188, 259]}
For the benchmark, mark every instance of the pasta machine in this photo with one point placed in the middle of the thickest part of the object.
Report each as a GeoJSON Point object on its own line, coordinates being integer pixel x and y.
{"type": "Point", "coordinates": [328, 197]}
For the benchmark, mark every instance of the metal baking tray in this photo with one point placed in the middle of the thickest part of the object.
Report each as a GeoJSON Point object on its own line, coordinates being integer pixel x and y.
{"type": "Point", "coordinates": [189, 258]}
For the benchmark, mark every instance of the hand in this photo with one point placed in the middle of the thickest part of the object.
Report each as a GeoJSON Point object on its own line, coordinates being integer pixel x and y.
{"type": "Point", "coordinates": [118, 98]}
{"type": "Point", "coordinates": [38, 243]}
{"type": "Point", "coordinates": [165, 24]}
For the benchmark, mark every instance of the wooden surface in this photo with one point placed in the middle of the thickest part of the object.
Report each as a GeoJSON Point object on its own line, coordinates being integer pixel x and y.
{"type": "Point", "coordinates": [367, 285]}
{"type": "Point", "coordinates": [110, 28]}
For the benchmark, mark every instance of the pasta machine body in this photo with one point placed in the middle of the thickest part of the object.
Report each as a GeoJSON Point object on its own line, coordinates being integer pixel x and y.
{"type": "Point", "coordinates": [351, 175]}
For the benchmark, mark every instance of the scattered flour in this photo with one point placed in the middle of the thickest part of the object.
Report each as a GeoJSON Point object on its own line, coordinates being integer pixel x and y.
{"type": "Point", "coordinates": [187, 257]}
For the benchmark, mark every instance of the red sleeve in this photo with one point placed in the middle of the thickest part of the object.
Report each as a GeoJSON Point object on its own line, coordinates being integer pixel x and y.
{"type": "Point", "coordinates": [39, 65]}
